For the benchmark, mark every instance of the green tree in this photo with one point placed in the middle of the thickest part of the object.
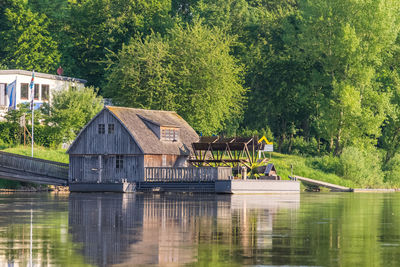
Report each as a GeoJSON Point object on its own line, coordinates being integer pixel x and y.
{"type": "Point", "coordinates": [95, 27]}
{"type": "Point", "coordinates": [190, 70]}
{"type": "Point", "coordinates": [71, 109]}
{"type": "Point", "coordinates": [344, 42]}
{"type": "Point", "coordinates": [26, 42]}
{"type": "Point", "coordinates": [141, 74]}
{"type": "Point", "coordinates": [207, 79]}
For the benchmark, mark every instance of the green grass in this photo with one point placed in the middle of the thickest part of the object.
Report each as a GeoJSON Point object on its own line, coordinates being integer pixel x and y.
{"type": "Point", "coordinates": [40, 152]}
{"type": "Point", "coordinates": [302, 167]}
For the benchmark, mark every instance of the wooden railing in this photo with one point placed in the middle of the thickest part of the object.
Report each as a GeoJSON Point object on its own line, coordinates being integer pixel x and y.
{"type": "Point", "coordinates": [186, 174]}
{"type": "Point", "coordinates": [34, 165]}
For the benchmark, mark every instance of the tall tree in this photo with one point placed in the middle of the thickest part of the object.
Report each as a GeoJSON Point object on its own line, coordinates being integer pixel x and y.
{"type": "Point", "coordinates": [27, 43]}
{"type": "Point", "coordinates": [344, 43]}
{"type": "Point", "coordinates": [96, 27]}
{"type": "Point", "coordinates": [140, 75]}
{"type": "Point", "coordinates": [190, 70]}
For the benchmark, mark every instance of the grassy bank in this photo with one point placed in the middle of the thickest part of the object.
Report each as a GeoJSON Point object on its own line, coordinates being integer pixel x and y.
{"type": "Point", "coordinates": [302, 166]}
{"type": "Point", "coordinates": [40, 152]}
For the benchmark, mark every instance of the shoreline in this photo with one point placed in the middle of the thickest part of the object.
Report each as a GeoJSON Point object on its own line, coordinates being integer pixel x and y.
{"type": "Point", "coordinates": [50, 189]}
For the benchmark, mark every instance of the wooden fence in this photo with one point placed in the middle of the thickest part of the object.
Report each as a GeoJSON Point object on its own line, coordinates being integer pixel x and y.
{"type": "Point", "coordinates": [187, 174]}
{"type": "Point", "coordinates": [35, 166]}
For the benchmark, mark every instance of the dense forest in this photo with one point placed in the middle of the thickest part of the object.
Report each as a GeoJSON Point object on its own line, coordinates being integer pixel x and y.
{"type": "Point", "coordinates": [321, 77]}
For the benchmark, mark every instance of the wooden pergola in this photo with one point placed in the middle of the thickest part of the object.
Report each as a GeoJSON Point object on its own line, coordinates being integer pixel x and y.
{"type": "Point", "coordinates": [232, 152]}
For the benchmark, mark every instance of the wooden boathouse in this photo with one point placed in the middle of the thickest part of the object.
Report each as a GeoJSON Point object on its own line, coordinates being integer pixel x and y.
{"type": "Point", "coordinates": [118, 144]}
{"type": "Point", "coordinates": [127, 150]}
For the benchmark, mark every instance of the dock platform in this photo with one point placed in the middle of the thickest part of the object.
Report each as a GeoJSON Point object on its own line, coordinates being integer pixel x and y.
{"type": "Point", "coordinates": [332, 187]}
{"type": "Point", "coordinates": [221, 187]}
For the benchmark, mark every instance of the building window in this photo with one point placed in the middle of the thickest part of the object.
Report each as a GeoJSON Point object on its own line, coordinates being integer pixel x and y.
{"type": "Point", "coordinates": [45, 92]}
{"type": "Point", "coordinates": [3, 94]}
{"type": "Point", "coordinates": [169, 134]}
{"type": "Point", "coordinates": [36, 92]}
{"type": "Point", "coordinates": [119, 162]}
{"type": "Point", "coordinates": [102, 129]}
{"type": "Point", "coordinates": [176, 134]}
{"type": "Point", "coordinates": [110, 128]}
{"type": "Point", "coordinates": [24, 91]}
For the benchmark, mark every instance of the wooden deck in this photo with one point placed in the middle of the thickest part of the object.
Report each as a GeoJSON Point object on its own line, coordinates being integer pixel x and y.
{"type": "Point", "coordinates": [186, 174]}
{"type": "Point", "coordinates": [332, 187]}
{"type": "Point", "coordinates": [33, 170]}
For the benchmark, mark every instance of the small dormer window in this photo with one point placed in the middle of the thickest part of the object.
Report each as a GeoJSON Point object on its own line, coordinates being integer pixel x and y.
{"type": "Point", "coordinates": [169, 134]}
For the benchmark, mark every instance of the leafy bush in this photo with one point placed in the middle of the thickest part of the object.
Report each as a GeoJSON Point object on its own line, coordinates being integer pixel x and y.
{"type": "Point", "coordinates": [392, 171]}
{"type": "Point", "coordinates": [47, 136]}
{"type": "Point", "coordinates": [361, 166]}
{"type": "Point", "coordinates": [246, 132]}
{"type": "Point", "coordinates": [72, 108]}
{"type": "Point", "coordinates": [327, 163]}
{"type": "Point", "coordinates": [10, 133]}
{"type": "Point", "coordinates": [299, 146]}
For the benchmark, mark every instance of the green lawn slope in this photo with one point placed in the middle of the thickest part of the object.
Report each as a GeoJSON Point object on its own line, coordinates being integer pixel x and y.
{"type": "Point", "coordinates": [302, 166]}
{"type": "Point", "coordinates": [40, 152]}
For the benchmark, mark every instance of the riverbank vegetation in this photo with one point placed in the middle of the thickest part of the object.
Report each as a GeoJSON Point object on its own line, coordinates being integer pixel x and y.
{"type": "Point", "coordinates": [321, 76]}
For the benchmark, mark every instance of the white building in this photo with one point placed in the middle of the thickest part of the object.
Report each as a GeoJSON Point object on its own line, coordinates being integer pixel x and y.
{"type": "Point", "coordinates": [45, 85]}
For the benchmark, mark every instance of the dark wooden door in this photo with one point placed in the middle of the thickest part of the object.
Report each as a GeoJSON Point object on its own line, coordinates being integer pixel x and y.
{"type": "Point", "coordinates": [91, 170]}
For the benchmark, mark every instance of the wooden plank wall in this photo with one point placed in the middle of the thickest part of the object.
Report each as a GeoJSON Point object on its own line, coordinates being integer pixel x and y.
{"type": "Point", "coordinates": [190, 174]}
{"type": "Point", "coordinates": [86, 169]}
{"type": "Point", "coordinates": [156, 160]}
{"type": "Point", "coordinates": [90, 142]}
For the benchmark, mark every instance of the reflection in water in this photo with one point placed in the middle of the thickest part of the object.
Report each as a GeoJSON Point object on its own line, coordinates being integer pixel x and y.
{"type": "Point", "coordinates": [213, 230]}
{"type": "Point", "coordinates": [163, 229]}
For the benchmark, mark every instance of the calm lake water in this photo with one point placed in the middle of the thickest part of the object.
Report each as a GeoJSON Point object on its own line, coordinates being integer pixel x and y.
{"type": "Point", "coordinates": [310, 229]}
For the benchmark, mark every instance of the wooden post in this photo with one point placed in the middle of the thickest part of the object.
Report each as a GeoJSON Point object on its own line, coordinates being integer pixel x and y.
{"type": "Point", "coordinates": [100, 169]}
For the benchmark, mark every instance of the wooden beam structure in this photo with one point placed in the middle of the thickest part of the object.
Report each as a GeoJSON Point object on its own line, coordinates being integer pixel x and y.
{"type": "Point", "coordinates": [218, 151]}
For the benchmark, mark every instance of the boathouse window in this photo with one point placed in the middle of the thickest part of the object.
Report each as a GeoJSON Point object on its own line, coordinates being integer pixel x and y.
{"type": "Point", "coordinates": [119, 162]}
{"type": "Point", "coordinates": [169, 134]}
{"type": "Point", "coordinates": [24, 91]}
{"type": "Point", "coordinates": [110, 128]}
{"type": "Point", "coordinates": [102, 128]}
{"type": "Point", "coordinates": [45, 92]}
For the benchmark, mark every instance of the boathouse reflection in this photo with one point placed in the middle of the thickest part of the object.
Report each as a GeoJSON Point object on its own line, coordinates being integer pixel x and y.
{"type": "Point", "coordinates": [164, 229]}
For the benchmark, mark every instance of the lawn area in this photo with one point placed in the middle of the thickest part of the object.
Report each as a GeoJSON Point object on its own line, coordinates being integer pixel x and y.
{"type": "Point", "coordinates": [40, 152]}
{"type": "Point", "coordinates": [302, 167]}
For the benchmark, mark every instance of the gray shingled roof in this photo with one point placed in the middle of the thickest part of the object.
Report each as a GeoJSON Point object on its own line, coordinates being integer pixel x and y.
{"type": "Point", "coordinates": [133, 119]}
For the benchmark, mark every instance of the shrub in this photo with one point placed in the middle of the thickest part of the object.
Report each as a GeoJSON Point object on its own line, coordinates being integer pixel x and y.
{"type": "Point", "coordinates": [327, 163]}
{"type": "Point", "coordinates": [361, 166]}
{"type": "Point", "coordinates": [300, 146]}
{"type": "Point", "coordinates": [47, 136]}
{"type": "Point", "coordinates": [10, 133]}
{"type": "Point", "coordinates": [392, 171]}
{"type": "Point", "coordinates": [260, 133]}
